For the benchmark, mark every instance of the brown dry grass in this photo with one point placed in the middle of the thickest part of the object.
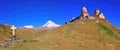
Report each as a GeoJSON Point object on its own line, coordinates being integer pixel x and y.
{"type": "Point", "coordinates": [75, 36]}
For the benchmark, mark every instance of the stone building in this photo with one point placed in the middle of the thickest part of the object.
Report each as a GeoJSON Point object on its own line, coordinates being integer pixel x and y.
{"type": "Point", "coordinates": [98, 15]}
{"type": "Point", "coordinates": [101, 16]}
{"type": "Point", "coordinates": [84, 13]}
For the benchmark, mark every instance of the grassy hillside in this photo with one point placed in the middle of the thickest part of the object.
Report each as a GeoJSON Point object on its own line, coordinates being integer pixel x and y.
{"type": "Point", "coordinates": [29, 34]}
{"type": "Point", "coordinates": [5, 32]}
{"type": "Point", "coordinates": [79, 35]}
{"type": "Point", "coordinates": [87, 36]}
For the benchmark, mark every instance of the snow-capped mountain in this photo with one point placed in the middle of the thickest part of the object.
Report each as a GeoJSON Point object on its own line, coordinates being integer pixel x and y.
{"type": "Point", "coordinates": [50, 24]}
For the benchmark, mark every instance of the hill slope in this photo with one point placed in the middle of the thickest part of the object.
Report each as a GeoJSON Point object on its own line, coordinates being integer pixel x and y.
{"type": "Point", "coordinates": [5, 32]}
{"type": "Point", "coordinates": [84, 35]}
{"type": "Point", "coordinates": [29, 33]}
{"type": "Point", "coordinates": [79, 35]}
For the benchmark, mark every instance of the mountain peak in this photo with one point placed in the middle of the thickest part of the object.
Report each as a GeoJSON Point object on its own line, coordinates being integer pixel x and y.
{"type": "Point", "coordinates": [50, 24]}
{"type": "Point", "coordinates": [49, 21]}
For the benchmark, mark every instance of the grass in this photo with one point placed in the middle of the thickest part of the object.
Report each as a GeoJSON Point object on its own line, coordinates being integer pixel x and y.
{"type": "Point", "coordinates": [108, 31]}
{"type": "Point", "coordinates": [87, 36]}
{"type": "Point", "coordinates": [5, 32]}
{"type": "Point", "coordinates": [69, 29]}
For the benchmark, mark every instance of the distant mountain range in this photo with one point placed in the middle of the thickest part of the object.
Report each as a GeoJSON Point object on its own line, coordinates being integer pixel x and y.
{"type": "Point", "coordinates": [48, 24]}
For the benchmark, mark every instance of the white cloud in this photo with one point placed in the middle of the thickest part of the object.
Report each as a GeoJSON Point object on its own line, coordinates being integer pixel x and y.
{"type": "Point", "coordinates": [28, 26]}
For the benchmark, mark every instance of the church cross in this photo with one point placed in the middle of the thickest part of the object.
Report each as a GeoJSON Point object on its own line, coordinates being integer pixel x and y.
{"type": "Point", "coordinates": [13, 30]}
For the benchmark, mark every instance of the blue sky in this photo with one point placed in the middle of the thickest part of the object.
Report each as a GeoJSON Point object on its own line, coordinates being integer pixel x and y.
{"type": "Point", "coordinates": [38, 12]}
